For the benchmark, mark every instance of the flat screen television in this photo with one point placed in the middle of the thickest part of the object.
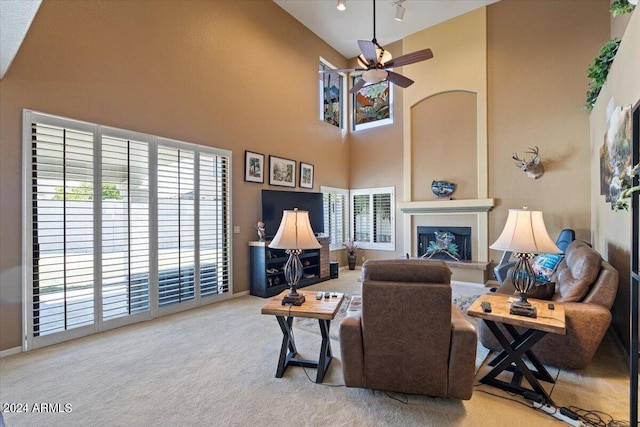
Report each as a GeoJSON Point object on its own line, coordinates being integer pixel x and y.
{"type": "Point", "coordinates": [274, 202]}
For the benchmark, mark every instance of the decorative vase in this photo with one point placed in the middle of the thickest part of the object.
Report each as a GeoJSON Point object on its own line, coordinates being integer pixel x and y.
{"type": "Point", "coordinates": [442, 189]}
{"type": "Point", "coordinates": [351, 259]}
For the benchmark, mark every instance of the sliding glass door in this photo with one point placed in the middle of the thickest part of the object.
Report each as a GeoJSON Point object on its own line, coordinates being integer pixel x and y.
{"type": "Point", "coordinates": [123, 227]}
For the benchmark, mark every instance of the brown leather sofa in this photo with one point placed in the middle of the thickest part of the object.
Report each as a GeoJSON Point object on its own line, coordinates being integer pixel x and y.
{"type": "Point", "coordinates": [404, 334]}
{"type": "Point", "coordinates": [586, 286]}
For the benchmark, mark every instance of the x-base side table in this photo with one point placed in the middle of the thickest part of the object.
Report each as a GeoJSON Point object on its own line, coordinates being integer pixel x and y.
{"type": "Point", "coordinates": [519, 346]}
{"type": "Point", "coordinates": [324, 310]}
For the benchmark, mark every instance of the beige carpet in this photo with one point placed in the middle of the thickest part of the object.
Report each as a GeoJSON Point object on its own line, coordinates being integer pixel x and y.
{"type": "Point", "coordinates": [215, 366]}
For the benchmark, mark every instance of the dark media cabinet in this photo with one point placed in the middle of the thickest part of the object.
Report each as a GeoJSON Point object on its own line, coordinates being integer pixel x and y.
{"type": "Point", "coordinates": [267, 265]}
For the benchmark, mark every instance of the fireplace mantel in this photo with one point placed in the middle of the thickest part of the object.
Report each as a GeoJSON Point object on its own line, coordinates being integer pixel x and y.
{"type": "Point", "coordinates": [447, 206]}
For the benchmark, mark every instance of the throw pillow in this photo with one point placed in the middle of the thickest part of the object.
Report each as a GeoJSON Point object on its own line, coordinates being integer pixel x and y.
{"type": "Point", "coordinates": [545, 265]}
{"type": "Point", "coordinates": [542, 291]}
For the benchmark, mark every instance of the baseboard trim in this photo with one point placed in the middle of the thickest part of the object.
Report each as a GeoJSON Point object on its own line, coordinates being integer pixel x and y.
{"type": "Point", "coordinates": [240, 294]}
{"type": "Point", "coordinates": [10, 352]}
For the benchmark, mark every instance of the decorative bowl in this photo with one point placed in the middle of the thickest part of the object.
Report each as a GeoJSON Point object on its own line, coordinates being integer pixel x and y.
{"type": "Point", "coordinates": [442, 189]}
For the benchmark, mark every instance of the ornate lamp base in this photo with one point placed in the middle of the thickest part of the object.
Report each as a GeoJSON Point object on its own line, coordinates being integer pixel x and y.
{"type": "Point", "coordinates": [297, 299]}
{"type": "Point", "coordinates": [523, 309]}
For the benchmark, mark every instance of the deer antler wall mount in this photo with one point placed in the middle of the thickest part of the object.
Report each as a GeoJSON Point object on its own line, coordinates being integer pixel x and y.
{"type": "Point", "coordinates": [533, 168]}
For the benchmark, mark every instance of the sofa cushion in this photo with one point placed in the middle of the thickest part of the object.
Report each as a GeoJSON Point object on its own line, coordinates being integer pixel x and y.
{"type": "Point", "coordinates": [542, 290]}
{"type": "Point", "coordinates": [576, 272]}
{"type": "Point", "coordinates": [545, 265]}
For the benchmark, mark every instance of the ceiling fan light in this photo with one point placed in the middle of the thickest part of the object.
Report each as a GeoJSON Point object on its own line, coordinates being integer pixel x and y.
{"type": "Point", "coordinates": [386, 56]}
{"type": "Point", "coordinates": [342, 5]}
{"type": "Point", "coordinates": [374, 76]}
{"type": "Point", "coordinates": [399, 16]}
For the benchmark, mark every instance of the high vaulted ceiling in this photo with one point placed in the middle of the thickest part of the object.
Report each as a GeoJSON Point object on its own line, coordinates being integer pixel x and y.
{"type": "Point", "coordinates": [342, 30]}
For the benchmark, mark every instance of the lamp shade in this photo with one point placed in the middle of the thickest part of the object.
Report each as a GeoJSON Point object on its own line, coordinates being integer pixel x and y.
{"type": "Point", "coordinates": [525, 233]}
{"type": "Point", "coordinates": [295, 232]}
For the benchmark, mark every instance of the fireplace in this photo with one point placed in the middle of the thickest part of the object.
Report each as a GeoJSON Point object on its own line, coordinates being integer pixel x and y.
{"type": "Point", "coordinates": [445, 243]}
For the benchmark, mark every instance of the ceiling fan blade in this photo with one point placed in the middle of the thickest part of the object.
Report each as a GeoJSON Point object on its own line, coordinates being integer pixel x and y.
{"type": "Point", "coordinates": [399, 79]}
{"type": "Point", "coordinates": [410, 58]}
{"type": "Point", "coordinates": [356, 87]}
{"type": "Point", "coordinates": [368, 49]}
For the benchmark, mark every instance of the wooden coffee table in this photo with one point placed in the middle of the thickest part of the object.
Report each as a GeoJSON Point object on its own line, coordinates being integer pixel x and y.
{"type": "Point", "coordinates": [518, 347]}
{"type": "Point", "coordinates": [324, 310]}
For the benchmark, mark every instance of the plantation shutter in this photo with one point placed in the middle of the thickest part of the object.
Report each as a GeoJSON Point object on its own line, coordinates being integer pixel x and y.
{"type": "Point", "coordinates": [62, 228]}
{"type": "Point", "coordinates": [176, 226]}
{"type": "Point", "coordinates": [372, 218]}
{"type": "Point", "coordinates": [361, 217]}
{"type": "Point", "coordinates": [382, 226]}
{"type": "Point", "coordinates": [214, 224]}
{"type": "Point", "coordinates": [335, 216]}
{"type": "Point", "coordinates": [121, 225]}
{"type": "Point", "coordinates": [125, 227]}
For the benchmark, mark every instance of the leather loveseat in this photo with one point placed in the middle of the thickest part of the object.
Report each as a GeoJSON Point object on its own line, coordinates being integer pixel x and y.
{"type": "Point", "coordinates": [586, 286]}
{"type": "Point", "coordinates": [404, 334]}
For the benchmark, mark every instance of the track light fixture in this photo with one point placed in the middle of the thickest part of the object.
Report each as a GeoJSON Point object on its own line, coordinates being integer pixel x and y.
{"type": "Point", "coordinates": [399, 16]}
{"type": "Point", "coordinates": [342, 5]}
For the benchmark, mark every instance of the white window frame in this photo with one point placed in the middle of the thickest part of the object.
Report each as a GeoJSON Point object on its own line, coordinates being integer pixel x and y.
{"type": "Point", "coordinates": [344, 102]}
{"type": "Point", "coordinates": [30, 340]}
{"type": "Point", "coordinates": [336, 244]}
{"type": "Point", "coordinates": [371, 192]}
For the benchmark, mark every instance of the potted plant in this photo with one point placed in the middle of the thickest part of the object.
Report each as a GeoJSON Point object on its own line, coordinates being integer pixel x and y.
{"type": "Point", "coordinates": [351, 253]}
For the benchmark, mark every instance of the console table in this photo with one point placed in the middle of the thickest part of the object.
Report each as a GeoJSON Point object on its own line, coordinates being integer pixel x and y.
{"type": "Point", "coordinates": [324, 310]}
{"type": "Point", "coordinates": [518, 347]}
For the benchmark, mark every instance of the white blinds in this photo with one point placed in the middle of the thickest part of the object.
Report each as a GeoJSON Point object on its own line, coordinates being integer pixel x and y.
{"type": "Point", "coordinates": [121, 225]}
{"type": "Point", "coordinates": [176, 226]}
{"type": "Point", "coordinates": [62, 228]}
{"type": "Point", "coordinates": [362, 217]}
{"type": "Point", "coordinates": [125, 227]}
{"type": "Point", "coordinates": [214, 223]}
{"type": "Point", "coordinates": [336, 219]}
{"type": "Point", "coordinates": [372, 218]}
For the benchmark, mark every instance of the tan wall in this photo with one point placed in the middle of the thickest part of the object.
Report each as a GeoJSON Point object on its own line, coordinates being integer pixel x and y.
{"type": "Point", "coordinates": [611, 230]}
{"type": "Point", "coordinates": [438, 123]}
{"type": "Point", "coordinates": [538, 54]}
{"type": "Point", "coordinates": [236, 75]}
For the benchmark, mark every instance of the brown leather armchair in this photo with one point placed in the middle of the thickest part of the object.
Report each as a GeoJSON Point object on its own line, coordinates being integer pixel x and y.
{"type": "Point", "coordinates": [586, 286]}
{"type": "Point", "coordinates": [405, 335]}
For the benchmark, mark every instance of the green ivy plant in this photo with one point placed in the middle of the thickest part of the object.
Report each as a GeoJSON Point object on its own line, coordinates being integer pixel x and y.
{"type": "Point", "coordinates": [620, 7]}
{"type": "Point", "coordinates": [599, 70]}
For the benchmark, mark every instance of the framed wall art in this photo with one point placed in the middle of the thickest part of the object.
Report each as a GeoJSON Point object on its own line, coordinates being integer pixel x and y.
{"type": "Point", "coordinates": [253, 167]}
{"type": "Point", "coordinates": [306, 175]}
{"type": "Point", "coordinates": [282, 172]}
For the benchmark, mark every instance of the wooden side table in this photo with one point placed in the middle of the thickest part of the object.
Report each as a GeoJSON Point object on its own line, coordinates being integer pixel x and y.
{"type": "Point", "coordinates": [324, 310]}
{"type": "Point", "coordinates": [518, 347]}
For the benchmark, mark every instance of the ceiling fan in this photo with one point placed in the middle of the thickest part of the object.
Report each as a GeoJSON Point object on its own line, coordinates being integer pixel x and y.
{"type": "Point", "coordinates": [376, 61]}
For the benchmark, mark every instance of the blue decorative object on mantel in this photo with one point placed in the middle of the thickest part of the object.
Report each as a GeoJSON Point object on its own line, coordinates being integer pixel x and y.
{"type": "Point", "coordinates": [443, 189]}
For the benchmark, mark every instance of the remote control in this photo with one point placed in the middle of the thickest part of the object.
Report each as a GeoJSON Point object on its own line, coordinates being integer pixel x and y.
{"type": "Point", "coordinates": [334, 295]}
{"type": "Point", "coordinates": [551, 306]}
{"type": "Point", "coordinates": [486, 306]}
{"type": "Point", "coordinates": [319, 295]}
{"type": "Point", "coordinates": [327, 295]}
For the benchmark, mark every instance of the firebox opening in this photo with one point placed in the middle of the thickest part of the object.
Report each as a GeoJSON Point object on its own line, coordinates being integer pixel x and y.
{"type": "Point", "coordinates": [445, 243]}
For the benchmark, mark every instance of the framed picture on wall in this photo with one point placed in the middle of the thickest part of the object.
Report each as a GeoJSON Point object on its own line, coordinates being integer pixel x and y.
{"type": "Point", "coordinates": [282, 172]}
{"type": "Point", "coordinates": [253, 167]}
{"type": "Point", "coordinates": [306, 175]}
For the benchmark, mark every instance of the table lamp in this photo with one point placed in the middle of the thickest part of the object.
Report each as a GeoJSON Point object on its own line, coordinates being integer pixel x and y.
{"type": "Point", "coordinates": [525, 235]}
{"type": "Point", "coordinates": [294, 235]}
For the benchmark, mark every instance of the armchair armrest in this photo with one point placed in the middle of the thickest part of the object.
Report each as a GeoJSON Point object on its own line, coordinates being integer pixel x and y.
{"type": "Point", "coordinates": [462, 357]}
{"type": "Point", "coordinates": [586, 325]}
{"type": "Point", "coordinates": [351, 345]}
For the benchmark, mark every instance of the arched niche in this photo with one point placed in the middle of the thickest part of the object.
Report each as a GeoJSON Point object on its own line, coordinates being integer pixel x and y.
{"type": "Point", "coordinates": [444, 144]}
